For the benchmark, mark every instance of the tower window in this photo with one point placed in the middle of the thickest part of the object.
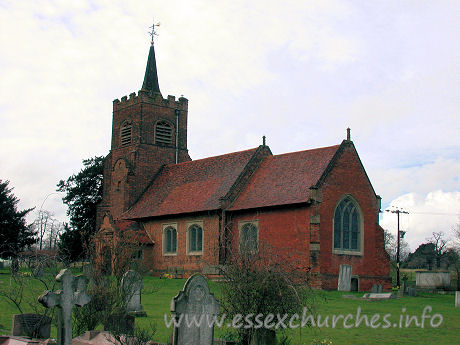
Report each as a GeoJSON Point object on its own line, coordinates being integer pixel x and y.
{"type": "Point", "coordinates": [163, 133]}
{"type": "Point", "coordinates": [347, 226]}
{"type": "Point", "coordinates": [126, 134]}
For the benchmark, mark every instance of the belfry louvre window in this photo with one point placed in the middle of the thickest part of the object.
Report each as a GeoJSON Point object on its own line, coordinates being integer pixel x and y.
{"type": "Point", "coordinates": [170, 240]}
{"type": "Point", "coordinates": [248, 237]}
{"type": "Point", "coordinates": [126, 134]}
{"type": "Point", "coordinates": [163, 133]}
{"type": "Point", "coordinates": [195, 238]}
{"type": "Point", "coordinates": [347, 226]}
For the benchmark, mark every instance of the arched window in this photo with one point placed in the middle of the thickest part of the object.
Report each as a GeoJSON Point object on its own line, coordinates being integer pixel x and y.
{"type": "Point", "coordinates": [347, 226]}
{"type": "Point", "coordinates": [163, 133]}
{"type": "Point", "coordinates": [170, 240]}
{"type": "Point", "coordinates": [249, 237]}
{"type": "Point", "coordinates": [126, 134]}
{"type": "Point", "coordinates": [195, 238]}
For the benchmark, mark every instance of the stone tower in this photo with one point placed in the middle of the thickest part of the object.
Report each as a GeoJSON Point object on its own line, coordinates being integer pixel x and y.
{"type": "Point", "coordinates": [148, 132]}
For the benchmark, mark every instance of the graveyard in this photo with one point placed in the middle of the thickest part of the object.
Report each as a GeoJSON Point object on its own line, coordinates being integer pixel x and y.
{"type": "Point", "coordinates": [157, 295]}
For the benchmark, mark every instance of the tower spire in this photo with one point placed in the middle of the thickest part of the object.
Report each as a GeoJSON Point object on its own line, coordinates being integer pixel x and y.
{"type": "Point", "coordinates": [151, 76]}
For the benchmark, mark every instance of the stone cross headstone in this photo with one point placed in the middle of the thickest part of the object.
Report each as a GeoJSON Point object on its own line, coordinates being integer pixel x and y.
{"type": "Point", "coordinates": [194, 301]}
{"type": "Point", "coordinates": [457, 298]}
{"type": "Point", "coordinates": [344, 283]}
{"type": "Point", "coordinates": [73, 293]}
{"type": "Point", "coordinates": [132, 286]}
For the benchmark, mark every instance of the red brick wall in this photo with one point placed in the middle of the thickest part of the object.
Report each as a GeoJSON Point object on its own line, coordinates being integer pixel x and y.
{"type": "Point", "coordinates": [284, 231]}
{"type": "Point", "coordinates": [348, 177]}
{"type": "Point", "coordinates": [191, 263]}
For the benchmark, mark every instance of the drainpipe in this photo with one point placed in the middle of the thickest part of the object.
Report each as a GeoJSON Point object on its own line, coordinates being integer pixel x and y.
{"type": "Point", "coordinates": [177, 112]}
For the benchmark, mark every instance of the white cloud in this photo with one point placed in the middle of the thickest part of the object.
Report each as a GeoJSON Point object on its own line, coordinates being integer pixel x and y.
{"type": "Point", "coordinates": [431, 212]}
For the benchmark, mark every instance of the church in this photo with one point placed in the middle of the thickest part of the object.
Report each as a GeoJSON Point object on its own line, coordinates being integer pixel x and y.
{"type": "Point", "coordinates": [318, 205]}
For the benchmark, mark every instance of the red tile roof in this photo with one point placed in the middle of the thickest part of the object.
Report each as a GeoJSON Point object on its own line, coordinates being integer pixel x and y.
{"type": "Point", "coordinates": [133, 227]}
{"type": "Point", "coordinates": [285, 179]}
{"type": "Point", "coordinates": [190, 186]}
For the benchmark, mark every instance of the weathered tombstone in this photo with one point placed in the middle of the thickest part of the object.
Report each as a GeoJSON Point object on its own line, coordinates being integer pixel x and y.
{"type": "Point", "coordinates": [411, 291]}
{"type": "Point", "coordinates": [402, 289]}
{"type": "Point", "coordinates": [194, 301]}
{"type": "Point", "coordinates": [457, 298]}
{"type": "Point", "coordinates": [344, 283]}
{"type": "Point", "coordinates": [120, 324]}
{"type": "Point", "coordinates": [132, 285]}
{"type": "Point", "coordinates": [31, 325]}
{"type": "Point", "coordinates": [377, 288]}
{"type": "Point", "coordinates": [377, 296]}
{"type": "Point", "coordinates": [73, 293]}
{"type": "Point", "coordinates": [264, 336]}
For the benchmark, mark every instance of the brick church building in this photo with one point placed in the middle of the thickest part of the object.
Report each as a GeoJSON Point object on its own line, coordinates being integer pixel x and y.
{"type": "Point", "coordinates": [318, 203]}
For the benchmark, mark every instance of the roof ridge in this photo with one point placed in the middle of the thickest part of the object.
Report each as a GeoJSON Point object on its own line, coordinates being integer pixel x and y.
{"type": "Point", "coordinates": [309, 150]}
{"type": "Point", "coordinates": [212, 157]}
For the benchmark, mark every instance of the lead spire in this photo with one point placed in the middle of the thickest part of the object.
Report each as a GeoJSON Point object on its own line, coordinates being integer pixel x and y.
{"type": "Point", "coordinates": [151, 76]}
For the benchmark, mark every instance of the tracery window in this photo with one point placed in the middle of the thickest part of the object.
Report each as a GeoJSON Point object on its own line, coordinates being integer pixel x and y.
{"type": "Point", "coordinates": [347, 226]}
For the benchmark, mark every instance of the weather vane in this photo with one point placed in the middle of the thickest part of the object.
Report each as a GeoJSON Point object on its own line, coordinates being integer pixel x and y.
{"type": "Point", "coordinates": [153, 33]}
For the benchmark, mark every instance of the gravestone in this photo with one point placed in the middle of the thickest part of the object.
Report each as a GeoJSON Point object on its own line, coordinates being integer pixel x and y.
{"type": "Point", "coordinates": [120, 324]}
{"type": "Point", "coordinates": [73, 293]}
{"type": "Point", "coordinates": [457, 298]}
{"type": "Point", "coordinates": [31, 325]}
{"type": "Point", "coordinates": [377, 288]}
{"type": "Point", "coordinates": [411, 291]}
{"type": "Point", "coordinates": [132, 285]}
{"type": "Point", "coordinates": [344, 283]}
{"type": "Point", "coordinates": [194, 301]}
{"type": "Point", "coordinates": [377, 296]}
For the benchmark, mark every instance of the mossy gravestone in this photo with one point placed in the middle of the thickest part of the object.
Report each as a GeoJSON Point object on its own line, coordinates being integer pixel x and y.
{"type": "Point", "coordinates": [194, 301]}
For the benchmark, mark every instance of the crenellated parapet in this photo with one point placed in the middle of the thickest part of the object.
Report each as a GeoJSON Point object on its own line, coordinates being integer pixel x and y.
{"type": "Point", "coordinates": [155, 98]}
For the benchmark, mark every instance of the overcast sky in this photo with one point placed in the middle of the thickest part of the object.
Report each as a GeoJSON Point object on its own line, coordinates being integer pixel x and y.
{"type": "Point", "coordinates": [299, 72]}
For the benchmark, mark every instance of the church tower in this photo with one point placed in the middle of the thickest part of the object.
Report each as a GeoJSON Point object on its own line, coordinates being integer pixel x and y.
{"type": "Point", "coordinates": [148, 132]}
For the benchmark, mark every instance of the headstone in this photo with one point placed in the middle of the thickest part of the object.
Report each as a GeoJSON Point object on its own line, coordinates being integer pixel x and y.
{"type": "Point", "coordinates": [120, 324]}
{"type": "Point", "coordinates": [377, 288]}
{"type": "Point", "coordinates": [73, 293]}
{"type": "Point", "coordinates": [457, 298]}
{"type": "Point", "coordinates": [411, 291]}
{"type": "Point", "coordinates": [385, 295]}
{"type": "Point", "coordinates": [132, 285]}
{"type": "Point", "coordinates": [402, 290]}
{"type": "Point", "coordinates": [264, 336]}
{"type": "Point", "coordinates": [344, 283]}
{"type": "Point", "coordinates": [195, 300]}
{"type": "Point", "coordinates": [31, 325]}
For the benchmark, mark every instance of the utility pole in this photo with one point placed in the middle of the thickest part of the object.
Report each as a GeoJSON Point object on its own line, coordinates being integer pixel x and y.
{"type": "Point", "coordinates": [398, 212]}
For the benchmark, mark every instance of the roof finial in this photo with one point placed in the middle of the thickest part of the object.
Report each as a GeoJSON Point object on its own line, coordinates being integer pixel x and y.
{"type": "Point", "coordinates": [153, 33]}
{"type": "Point", "coordinates": [263, 140]}
{"type": "Point", "coordinates": [348, 134]}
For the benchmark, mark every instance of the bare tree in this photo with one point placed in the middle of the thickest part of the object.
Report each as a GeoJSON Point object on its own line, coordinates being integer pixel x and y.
{"type": "Point", "coordinates": [438, 239]}
{"type": "Point", "coordinates": [391, 244]}
{"type": "Point", "coordinates": [44, 226]}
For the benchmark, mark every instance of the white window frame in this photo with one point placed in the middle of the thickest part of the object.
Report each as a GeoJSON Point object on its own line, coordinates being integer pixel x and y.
{"type": "Point", "coordinates": [163, 239]}
{"type": "Point", "coordinates": [189, 225]}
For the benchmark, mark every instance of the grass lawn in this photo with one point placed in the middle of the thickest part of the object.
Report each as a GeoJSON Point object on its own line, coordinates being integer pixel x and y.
{"type": "Point", "coordinates": [157, 296]}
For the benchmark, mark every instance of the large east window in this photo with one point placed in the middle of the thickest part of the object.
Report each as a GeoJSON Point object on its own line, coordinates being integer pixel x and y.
{"type": "Point", "coordinates": [347, 226]}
